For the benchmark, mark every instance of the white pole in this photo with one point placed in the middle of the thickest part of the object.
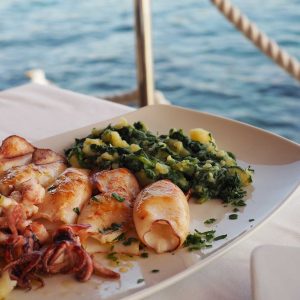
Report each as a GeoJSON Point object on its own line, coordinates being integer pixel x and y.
{"type": "Point", "coordinates": [144, 59]}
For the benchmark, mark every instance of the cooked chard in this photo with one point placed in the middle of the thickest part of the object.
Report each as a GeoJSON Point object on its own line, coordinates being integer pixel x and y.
{"type": "Point", "coordinates": [195, 164]}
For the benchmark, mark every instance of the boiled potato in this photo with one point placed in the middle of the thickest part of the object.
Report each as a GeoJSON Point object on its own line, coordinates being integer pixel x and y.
{"type": "Point", "coordinates": [6, 285]}
{"type": "Point", "coordinates": [201, 135]}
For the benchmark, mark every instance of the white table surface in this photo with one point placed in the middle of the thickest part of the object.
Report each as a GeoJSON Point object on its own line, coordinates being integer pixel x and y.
{"type": "Point", "coordinates": [35, 112]}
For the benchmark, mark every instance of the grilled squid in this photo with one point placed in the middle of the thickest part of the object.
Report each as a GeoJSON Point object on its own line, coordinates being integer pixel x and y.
{"type": "Point", "coordinates": [15, 151]}
{"type": "Point", "coordinates": [110, 212]}
{"type": "Point", "coordinates": [45, 174]}
{"type": "Point", "coordinates": [65, 197]}
{"type": "Point", "coordinates": [24, 167]}
{"type": "Point", "coordinates": [46, 156]}
{"type": "Point", "coordinates": [119, 180]}
{"type": "Point", "coordinates": [161, 216]}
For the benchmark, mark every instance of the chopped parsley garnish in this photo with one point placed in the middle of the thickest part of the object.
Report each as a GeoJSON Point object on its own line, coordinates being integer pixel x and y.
{"type": "Point", "coordinates": [129, 241]}
{"type": "Point", "coordinates": [199, 240]}
{"type": "Point", "coordinates": [154, 271]}
{"type": "Point", "coordinates": [51, 188]}
{"type": "Point", "coordinates": [94, 198]}
{"type": "Point", "coordinates": [76, 210]}
{"type": "Point", "coordinates": [118, 197]}
{"type": "Point", "coordinates": [210, 221]}
{"type": "Point", "coordinates": [144, 255]}
{"type": "Point", "coordinates": [220, 237]}
{"type": "Point", "coordinates": [251, 220]}
{"type": "Point", "coordinates": [140, 280]}
{"type": "Point", "coordinates": [121, 237]}
{"type": "Point", "coordinates": [112, 256]}
{"type": "Point", "coordinates": [233, 216]}
{"type": "Point", "coordinates": [238, 202]}
{"type": "Point", "coordinates": [113, 227]}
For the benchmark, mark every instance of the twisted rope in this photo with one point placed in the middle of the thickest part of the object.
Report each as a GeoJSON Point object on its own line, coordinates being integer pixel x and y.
{"type": "Point", "coordinates": [257, 37]}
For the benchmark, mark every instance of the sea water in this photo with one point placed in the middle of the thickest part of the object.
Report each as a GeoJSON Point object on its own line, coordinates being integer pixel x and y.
{"type": "Point", "coordinates": [201, 61]}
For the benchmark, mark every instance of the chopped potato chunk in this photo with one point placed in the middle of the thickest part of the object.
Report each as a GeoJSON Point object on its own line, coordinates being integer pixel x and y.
{"type": "Point", "coordinates": [87, 145]}
{"type": "Point", "coordinates": [134, 147]}
{"type": "Point", "coordinates": [6, 285]}
{"type": "Point", "coordinates": [161, 168]}
{"type": "Point", "coordinates": [201, 135]}
{"type": "Point", "coordinates": [117, 141]}
{"type": "Point", "coordinates": [122, 123]}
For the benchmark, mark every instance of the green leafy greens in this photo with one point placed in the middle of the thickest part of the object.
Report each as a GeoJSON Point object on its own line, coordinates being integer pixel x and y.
{"type": "Point", "coordinates": [113, 227]}
{"type": "Point", "coordinates": [201, 240]}
{"type": "Point", "coordinates": [199, 167]}
{"type": "Point", "coordinates": [210, 221]}
{"type": "Point", "coordinates": [233, 217]}
{"type": "Point", "coordinates": [76, 210]}
{"type": "Point", "coordinates": [118, 197]}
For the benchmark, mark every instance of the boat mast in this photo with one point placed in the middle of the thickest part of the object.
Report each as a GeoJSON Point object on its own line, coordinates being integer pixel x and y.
{"type": "Point", "coordinates": [144, 60]}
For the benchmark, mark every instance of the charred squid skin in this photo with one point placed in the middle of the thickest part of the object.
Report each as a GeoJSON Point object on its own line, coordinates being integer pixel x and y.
{"type": "Point", "coordinates": [82, 256]}
{"type": "Point", "coordinates": [25, 262]}
{"type": "Point", "coordinates": [51, 255]}
{"type": "Point", "coordinates": [34, 261]}
{"type": "Point", "coordinates": [23, 269]}
{"type": "Point", "coordinates": [23, 258]}
{"type": "Point", "coordinates": [28, 245]}
{"type": "Point", "coordinates": [75, 259]}
{"type": "Point", "coordinates": [68, 232]}
{"type": "Point", "coordinates": [48, 256]}
{"type": "Point", "coordinates": [12, 242]}
{"type": "Point", "coordinates": [63, 235]}
{"type": "Point", "coordinates": [85, 273]}
{"type": "Point", "coordinates": [58, 252]}
{"type": "Point", "coordinates": [19, 245]}
{"type": "Point", "coordinates": [16, 247]}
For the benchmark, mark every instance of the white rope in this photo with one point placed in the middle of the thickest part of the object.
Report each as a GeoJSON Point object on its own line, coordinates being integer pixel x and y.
{"type": "Point", "coordinates": [260, 39]}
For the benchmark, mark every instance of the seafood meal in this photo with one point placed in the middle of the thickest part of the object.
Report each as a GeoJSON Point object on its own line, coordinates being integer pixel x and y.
{"type": "Point", "coordinates": [119, 190]}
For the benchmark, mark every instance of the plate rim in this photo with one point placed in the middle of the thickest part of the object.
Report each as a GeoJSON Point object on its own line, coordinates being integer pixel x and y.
{"type": "Point", "coordinates": [227, 119]}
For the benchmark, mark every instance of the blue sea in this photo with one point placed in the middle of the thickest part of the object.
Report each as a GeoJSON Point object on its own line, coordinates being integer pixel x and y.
{"type": "Point", "coordinates": [201, 61]}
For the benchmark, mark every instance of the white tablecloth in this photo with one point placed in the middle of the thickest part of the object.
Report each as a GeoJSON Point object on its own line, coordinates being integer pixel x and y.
{"type": "Point", "coordinates": [36, 112]}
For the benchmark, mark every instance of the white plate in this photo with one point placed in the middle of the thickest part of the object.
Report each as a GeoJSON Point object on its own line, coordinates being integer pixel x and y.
{"type": "Point", "coordinates": [277, 173]}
